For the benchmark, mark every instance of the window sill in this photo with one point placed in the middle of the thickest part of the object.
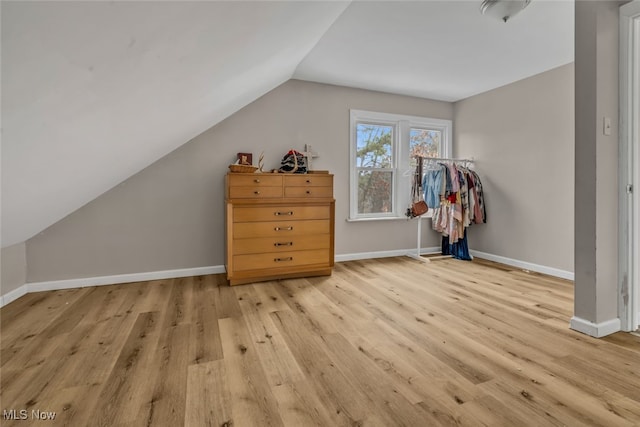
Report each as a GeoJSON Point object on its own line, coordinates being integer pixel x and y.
{"type": "Point", "coordinates": [386, 218]}
{"type": "Point", "coordinates": [429, 214]}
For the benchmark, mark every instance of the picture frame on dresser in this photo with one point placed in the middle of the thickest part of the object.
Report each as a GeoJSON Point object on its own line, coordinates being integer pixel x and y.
{"type": "Point", "coordinates": [245, 158]}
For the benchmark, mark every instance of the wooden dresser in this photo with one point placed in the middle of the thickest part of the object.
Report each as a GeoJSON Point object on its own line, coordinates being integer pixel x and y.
{"type": "Point", "coordinates": [279, 226]}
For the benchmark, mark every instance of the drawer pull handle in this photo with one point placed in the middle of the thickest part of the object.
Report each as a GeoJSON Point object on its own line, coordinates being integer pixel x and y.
{"type": "Point", "coordinates": [289, 258]}
{"type": "Point", "coordinates": [308, 191]}
{"type": "Point", "coordinates": [283, 213]}
{"type": "Point", "coordinates": [256, 180]}
{"type": "Point", "coordinates": [283, 244]}
{"type": "Point", "coordinates": [256, 192]}
{"type": "Point", "coordinates": [308, 181]}
{"type": "Point", "coordinates": [283, 228]}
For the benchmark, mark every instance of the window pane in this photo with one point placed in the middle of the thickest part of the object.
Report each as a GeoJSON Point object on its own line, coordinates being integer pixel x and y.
{"type": "Point", "coordinates": [373, 146]}
{"type": "Point", "coordinates": [424, 143]}
{"type": "Point", "coordinates": [374, 192]}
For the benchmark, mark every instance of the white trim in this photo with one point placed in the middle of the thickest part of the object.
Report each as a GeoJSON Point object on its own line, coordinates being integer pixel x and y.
{"type": "Point", "coordinates": [629, 160]}
{"type": "Point", "coordinates": [597, 330]}
{"type": "Point", "coordinates": [55, 285]}
{"type": "Point", "coordinates": [13, 295]}
{"type": "Point", "coordinates": [556, 272]}
{"type": "Point", "coordinates": [122, 278]}
{"type": "Point", "coordinates": [386, 218]}
{"type": "Point", "coordinates": [436, 249]}
{"type": "Point", "coordinates": [384, 254]}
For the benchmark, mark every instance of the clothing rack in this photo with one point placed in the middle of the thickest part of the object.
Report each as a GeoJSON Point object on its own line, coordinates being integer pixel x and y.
{"type": "Point", "coordinates": [446, 159]}
{"type": "Point", "coordinates": [466, 163]}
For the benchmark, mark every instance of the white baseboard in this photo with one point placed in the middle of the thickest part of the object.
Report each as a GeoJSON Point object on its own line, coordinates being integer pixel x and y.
{"type": "Point", "coordinates": [436, 249]}
{"type": "Point", "coordinates": [13, 295]}
{"type": "Point", "coordinates": [563, 274]}
{"type": "Point", "coordinates": [384, 254]}
{"type": "Point", "coordinates": [55, 285]}
{"type": "Point", "coordinates": [596, 330]}
{"type": "Point", "coordinates": [198, 271]}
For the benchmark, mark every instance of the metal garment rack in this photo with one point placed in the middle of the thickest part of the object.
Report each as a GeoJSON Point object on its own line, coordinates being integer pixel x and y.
{"type": "Point", "coordinates": [448, 159]}
{"type": "Point", "coordinates": [466, 163]}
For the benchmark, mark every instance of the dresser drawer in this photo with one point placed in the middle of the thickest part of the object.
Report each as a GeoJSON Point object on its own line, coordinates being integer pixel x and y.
{"type": "Point", "coordinates": [281, 244]}
{"type": "Point", "coordinates": [280, 260]}
{"type": "Point", "coordinates": [271, 213]}
{"type": "Point", "coordinates": [254, 180]}
{"type": "Point", "coordinates": [311, 180]}
{"type": "Point", "coordinates": [244, 230]}
{"type": "Point", "coordinates": [308, 192]}
{"type": "Point", "coordinates": [255, 192]}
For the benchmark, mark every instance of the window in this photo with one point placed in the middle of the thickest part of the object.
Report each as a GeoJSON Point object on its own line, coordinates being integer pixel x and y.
{"type": "Point", "coordinates": [375, 168]}
{"type": "Point", "coordinates": [424, 143]}
{"type": "Point", "coordinates": [383, 150]}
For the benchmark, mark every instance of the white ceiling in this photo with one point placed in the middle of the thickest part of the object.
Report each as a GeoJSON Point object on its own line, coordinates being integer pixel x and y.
{"type": "Point", "coordinates": [441, 50]}
{"type": "Point", "coordinates": [93, 92]}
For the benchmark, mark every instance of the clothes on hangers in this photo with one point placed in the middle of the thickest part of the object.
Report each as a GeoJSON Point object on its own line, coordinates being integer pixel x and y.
{"type": "Point", "coordinates": [458, 250]}
{"type": "Point", "coordinates": [432, 185]}
{"type": "Point", "coordinates": [455, 193]}
{"type": "Point", "coordinates": [473, 197]}
{"type": "Point", "coordinates": [481, 215]}
{"type": "Point", "coordinates": [464, 195]}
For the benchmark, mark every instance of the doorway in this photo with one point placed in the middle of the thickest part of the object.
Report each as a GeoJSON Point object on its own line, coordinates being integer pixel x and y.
{"type": "Point", "coordinates": [629, 295]}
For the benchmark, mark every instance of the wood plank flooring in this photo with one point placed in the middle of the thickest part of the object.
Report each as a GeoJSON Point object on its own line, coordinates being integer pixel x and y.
{"type": "Point", "coordinates": [386, 342]}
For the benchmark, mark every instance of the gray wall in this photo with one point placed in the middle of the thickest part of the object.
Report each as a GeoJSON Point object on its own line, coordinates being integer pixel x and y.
{"type": "Point", "coordinates": [13, 268]}
{"type": "Point", "coordinates": [522, 137]}
{"type": "Point", "coordinates": [596, 161]}
{"type": "Point", "coordinates": [171, 214]}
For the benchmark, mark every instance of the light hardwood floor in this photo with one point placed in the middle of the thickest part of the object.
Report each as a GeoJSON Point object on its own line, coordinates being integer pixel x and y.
{"type": "Point", "coordinates": [386, 342]}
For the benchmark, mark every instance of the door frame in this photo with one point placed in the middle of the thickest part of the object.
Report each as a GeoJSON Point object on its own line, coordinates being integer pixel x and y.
{"type": "Point", "coordinates": [629, 209]}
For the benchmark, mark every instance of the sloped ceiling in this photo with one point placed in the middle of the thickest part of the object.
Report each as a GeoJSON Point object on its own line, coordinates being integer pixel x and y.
{"type": "Point", "coordinates": [93, 92]}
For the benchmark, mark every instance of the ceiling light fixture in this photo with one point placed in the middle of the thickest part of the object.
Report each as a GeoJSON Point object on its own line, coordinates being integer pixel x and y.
{"type": "Point", "coordinates": [503, 9]}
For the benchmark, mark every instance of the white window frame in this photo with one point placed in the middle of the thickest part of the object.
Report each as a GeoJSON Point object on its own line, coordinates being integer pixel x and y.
{"type": "Point", "coordinates": [401, 169]}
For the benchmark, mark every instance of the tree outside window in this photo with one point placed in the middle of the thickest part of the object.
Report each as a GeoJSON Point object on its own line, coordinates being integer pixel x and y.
{"type": "Point", "coordinates": [374, 162]}
{"type": "Point", "coordinates": [424, 143]}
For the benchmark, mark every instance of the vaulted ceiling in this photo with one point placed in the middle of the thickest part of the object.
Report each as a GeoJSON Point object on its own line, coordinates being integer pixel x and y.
{"type": "Point", "coordinates": [93, 92]}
